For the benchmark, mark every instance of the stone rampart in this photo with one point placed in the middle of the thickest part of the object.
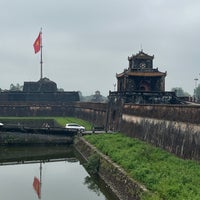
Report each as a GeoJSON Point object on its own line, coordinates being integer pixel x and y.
{"type": "Point", "coordinates": [93, 112]}
{"type": "Point", "coordinates": [96, 113]}
{"type": "Point", "coordinates": [180, 113]}
{"type": "Point", "coordinates": [22, 109]}
{"type": "Point", "coordinates": [173, 128]}
{"type": "Point", "coordinates": [20, 96]}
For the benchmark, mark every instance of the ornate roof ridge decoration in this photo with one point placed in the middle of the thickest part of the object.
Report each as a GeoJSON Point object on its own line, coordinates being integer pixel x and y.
{"type": "Point", "coordinates": [142, 55]}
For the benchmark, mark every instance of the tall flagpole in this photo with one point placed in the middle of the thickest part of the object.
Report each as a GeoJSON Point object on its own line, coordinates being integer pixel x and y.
{"type": "Point", "coordinates": [40, 197]}
{"type": "Point", "coordinates": [41, 61]}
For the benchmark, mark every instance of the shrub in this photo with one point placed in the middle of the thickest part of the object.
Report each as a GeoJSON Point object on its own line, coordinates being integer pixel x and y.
{"type": "Point", "coordinates": [92, 166]}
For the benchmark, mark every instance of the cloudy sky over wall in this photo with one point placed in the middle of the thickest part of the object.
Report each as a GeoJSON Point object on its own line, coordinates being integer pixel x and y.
{"type": "Point", "coordinates": [87, 42]}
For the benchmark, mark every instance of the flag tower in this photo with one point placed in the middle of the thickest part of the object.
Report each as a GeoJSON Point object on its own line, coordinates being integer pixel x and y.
{"type": "Point", "coordinates": [38, 47]}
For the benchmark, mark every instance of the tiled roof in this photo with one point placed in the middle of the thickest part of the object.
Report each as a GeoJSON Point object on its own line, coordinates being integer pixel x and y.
{"type": "Point", "coordinates": [139, 73]}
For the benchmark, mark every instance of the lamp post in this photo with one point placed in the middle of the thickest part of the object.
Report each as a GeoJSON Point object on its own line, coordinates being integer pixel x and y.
{"type": "Point", "coordinates": [195, 80]}
{"type": "Point", "coordinates": [114, 87]}
{"type": "Point", "coordinates": [195, 86]}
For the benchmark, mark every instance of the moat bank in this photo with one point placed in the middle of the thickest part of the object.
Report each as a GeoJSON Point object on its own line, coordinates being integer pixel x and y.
{"type": "Point", "coordinates": [114, 176]}
{"type": "Point", "coordinates": [36, 131]}
{"type": "Point", "coordinates": [164, 175]}
{"type": "Point", "coordinates": [21, 139]}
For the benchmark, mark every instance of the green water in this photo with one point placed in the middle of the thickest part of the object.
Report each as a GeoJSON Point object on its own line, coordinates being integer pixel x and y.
{"type": "Point", "coordinates": [58, 170]}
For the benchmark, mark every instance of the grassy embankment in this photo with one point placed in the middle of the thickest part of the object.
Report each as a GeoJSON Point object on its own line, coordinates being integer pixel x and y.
{"type": "Point", "coordinates": [164, 175]}
{"type": "Point", "coordinates": [63, 120]}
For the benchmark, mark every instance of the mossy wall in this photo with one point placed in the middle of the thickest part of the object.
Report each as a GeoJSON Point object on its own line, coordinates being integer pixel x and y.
{"type": "Point", "coordinates": [115, 177]}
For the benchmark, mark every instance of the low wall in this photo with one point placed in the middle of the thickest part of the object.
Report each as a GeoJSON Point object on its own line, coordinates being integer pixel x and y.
{"type": "Point", "coordinates": [23, 139]}
{"type": "Point", "coordinates": [115, 177]}
{"type": "Point", "coordinates": [36, 123]}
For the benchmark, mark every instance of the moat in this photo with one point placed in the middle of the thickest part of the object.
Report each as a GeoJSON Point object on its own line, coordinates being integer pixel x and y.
{"type": "Point", "coordinates": [59, 171]}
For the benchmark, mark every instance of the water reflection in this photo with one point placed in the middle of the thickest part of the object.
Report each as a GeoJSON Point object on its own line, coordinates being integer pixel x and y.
{"type": "Point", "coordinates": [37, 186]}
{"type": "Point", "coordinates": [54, 173]}
{"type": "Point", "coordinates": [92, 185]}
{"type": "Point", "coordinates": [18, 155]}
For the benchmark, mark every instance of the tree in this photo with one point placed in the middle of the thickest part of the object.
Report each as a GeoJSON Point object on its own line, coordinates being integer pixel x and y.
{"type": "Point", "coordinates": [180, 92]}
{"type": "Point", "coordinates": [197, 92]}
{"type": "Point", "coordinates": [60, 90]}
{"type": "Point", "coordinates": [16, 87]}
{"type": "Point", "coordinates": [97, 97]}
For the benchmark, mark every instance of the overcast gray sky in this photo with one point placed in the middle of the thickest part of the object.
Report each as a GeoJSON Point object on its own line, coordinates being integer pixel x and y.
{"type": "Point", "coordinates": [86, 42]}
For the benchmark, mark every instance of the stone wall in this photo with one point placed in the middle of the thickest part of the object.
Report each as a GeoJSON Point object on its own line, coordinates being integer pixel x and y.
{"type": "Point", "coordinates": [22, 109]}
{"type": "Point", "coordinates": [28, 139]}
{"type": "Point", "coordinates": [115, 177]}
{"type": "Point", "coordinates": [20, 96]}
{"type": "Point", "coordinates": [36, 123]}
{"type": "Point", "coordinates": [173, 128]}
{"type": "Point", "coordinates": [96, 113]}
{"type": "Point", "coordinates": [93, 112]}
{"type": "Point", "coordinates": [179, 113]}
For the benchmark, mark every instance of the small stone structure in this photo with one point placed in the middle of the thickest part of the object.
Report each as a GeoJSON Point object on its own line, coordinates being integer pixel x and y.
{"type": "Point", "coordinates": [43, 90]}
{"type": "Point", "coordinates": [43, 85]}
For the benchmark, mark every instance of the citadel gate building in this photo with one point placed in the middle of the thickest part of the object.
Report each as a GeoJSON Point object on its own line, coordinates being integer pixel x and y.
{"type": "Point", "coordinates": [141, 83]}
{"type": "Point", "coordinates": [140, 75]}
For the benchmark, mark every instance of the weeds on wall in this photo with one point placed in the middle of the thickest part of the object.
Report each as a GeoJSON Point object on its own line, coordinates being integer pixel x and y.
{"type": "Point", "coordinates": [92, 166]}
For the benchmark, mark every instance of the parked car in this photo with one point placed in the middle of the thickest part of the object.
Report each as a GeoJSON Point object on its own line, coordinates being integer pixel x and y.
{"type": "Point", "coordinates": [75, 127]}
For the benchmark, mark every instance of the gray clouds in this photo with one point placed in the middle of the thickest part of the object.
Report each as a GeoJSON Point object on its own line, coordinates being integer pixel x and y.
{"type": "Point", "coordinates": [87, 42]}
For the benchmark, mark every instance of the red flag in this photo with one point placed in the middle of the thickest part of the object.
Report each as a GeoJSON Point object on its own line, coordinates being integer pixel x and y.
{"type": "Point", "coordinates": [37, 43]}
{"type": "Point", "coordinates": [36, 186]}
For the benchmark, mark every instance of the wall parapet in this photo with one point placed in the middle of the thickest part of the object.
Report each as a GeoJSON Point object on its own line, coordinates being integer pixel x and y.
{"type": "Point", "coordinates": [180, 113]}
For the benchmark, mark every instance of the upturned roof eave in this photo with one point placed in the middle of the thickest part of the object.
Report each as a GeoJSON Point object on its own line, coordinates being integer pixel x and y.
{"type": "Point", "coordinates": [145, 74]}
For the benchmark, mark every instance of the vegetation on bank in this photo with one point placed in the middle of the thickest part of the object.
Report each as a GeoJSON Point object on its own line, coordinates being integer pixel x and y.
{"type": "Point", "coordinates": [164, 175]}
{"type": "Point", "coordinates": [62, 121]}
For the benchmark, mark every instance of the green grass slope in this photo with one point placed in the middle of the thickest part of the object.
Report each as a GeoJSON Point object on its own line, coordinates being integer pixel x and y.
{"type": "Point", "coordinates": [165, 175]}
